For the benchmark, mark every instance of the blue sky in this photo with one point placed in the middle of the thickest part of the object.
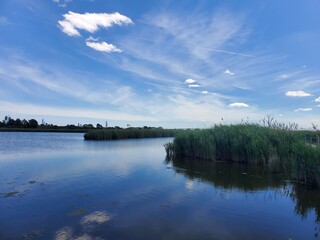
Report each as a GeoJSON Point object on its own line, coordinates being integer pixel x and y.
{"type": "Point", "coordinates": [160, 63]}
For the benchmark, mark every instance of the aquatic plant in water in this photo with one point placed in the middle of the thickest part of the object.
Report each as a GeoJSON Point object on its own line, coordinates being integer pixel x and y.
{"type": "Point", "coordinates": [129, 133]}
{"type": "Point", "coordinates": [281, 150]}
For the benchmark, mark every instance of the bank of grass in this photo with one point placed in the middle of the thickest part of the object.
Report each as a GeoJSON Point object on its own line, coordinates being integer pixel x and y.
{"type": "Point", "coordinates": [129, 133]}
{"type": "Point", "coordinates": [280, 150]}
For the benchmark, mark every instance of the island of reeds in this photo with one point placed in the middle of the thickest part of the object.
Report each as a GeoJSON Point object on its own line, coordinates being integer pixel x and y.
{"type": "Point", "coordinates": [128, 133]}
{"type": "Point", "coordinates": [280, 149]}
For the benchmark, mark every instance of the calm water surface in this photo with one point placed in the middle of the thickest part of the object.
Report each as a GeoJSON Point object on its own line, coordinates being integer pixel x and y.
{"type": "Point", "coordinates": [58, 186]}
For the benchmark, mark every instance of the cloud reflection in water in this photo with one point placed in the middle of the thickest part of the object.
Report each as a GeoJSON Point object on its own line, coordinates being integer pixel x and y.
{"type": "Point", "coordinates": [88, 221]}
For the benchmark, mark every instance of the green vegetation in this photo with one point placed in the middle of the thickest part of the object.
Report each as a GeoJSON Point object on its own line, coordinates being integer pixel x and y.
{"type": "Point", "coordinates": [17, 125]}
{"type": "Point", "coordinates": [11, 123]}
{"type": "Point", "coordinates": [128, 133]}
{"type": "Point", "coordinates": [281, 150]}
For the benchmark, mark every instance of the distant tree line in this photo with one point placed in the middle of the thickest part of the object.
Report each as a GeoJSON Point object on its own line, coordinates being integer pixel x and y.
{"type": "Point", "coordinates": [11, 123]}
{"type": "Point", "coordinates": [18, 123]}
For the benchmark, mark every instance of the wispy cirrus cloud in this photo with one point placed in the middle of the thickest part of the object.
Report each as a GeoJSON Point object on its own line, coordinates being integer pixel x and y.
{"type": "Point", "coordinates": [213, 32]}
{"type": "Point", "coordinates": [317, 99]}
{"type": "Point", "coordinates": [34, 109]}
{"type": "Point", "coordinates": [297, 94]}
{"type": "Point", "coordinates": [29, 76]}
{"type": "Point", "coordinates": [90, 22]}
{"type": "Point", "coordinates": [303, 110]}
{"type": "Point", "coordinates": [194, 85]}
{"type": "Point", "coordinates": [62, 3]}
{"type": "Point", "coordinates": [171, 44]}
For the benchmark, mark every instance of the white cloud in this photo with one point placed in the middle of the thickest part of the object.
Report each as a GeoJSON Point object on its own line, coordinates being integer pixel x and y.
{"type": "Point", "coordinates": [303, 109]}
{"type": "Point", "coordinates": [68, 28]}
{"type": "Point", "coordinates": [90, 22]}
{"type": "Point", "coordinates": [238, 105]}
{"type": "Point", "coordinates": [317, 99]}
{"type": "Point", "coordinates": [194, 85]}
{"type": "Point", "coordinates": [190, 81]}
{"type": "Point", "coordinates": [228, 72]}
{"type": "Point", "coordinates": [297, 94]}
{"type": "Point", "coordinates": [103, 47]}
{"type": "Point", "coordinates": [204, 92]}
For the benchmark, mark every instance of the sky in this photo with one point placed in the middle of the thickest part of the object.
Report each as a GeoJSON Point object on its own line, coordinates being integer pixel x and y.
{"type": "Point", "coordinates": [179, 63]}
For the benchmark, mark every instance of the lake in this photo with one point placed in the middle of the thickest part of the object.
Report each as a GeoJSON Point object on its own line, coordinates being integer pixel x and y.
{"type": "Point", "coordinates": [58, 186]}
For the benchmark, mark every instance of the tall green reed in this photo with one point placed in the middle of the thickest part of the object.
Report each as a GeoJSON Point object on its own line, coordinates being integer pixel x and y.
{"type": "Point", "coordinates": [282, 150]}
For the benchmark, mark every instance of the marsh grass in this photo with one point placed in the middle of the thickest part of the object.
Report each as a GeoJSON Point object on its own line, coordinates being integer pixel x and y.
{"type": "Point", "coordinates": [129, 133]}
{"type": "Point", "coordinates": [281, 150]}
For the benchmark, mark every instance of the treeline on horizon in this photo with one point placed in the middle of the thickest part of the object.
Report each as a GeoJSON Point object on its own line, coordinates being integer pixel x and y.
{"type": "Point", "coordinates": [33, 125]}
{"type": "Point", "coordinates": [9, 122]}
{"type": "Point", "coordinates": [18, 123]}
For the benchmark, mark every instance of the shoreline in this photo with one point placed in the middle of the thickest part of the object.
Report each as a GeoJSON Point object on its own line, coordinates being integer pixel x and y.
{"type": "Point", "coordinates": [42, 130]}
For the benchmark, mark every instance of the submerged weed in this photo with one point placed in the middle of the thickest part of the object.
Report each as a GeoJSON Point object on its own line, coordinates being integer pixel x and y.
{"type": "Point", "coordinates": [77, 212]}
{"type": "Point", "coordinates": [11, 194]}
{"type": "Point", "coordinates": [32, 235]}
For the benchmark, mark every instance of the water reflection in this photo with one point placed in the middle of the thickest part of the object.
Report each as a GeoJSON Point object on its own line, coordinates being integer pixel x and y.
{"type": "Point", "coordinates": [229, 175]}
{"type": "Point", "coordinates": [64, 233]}
{"type": "Point", "coordinates": [88, 222]}
{"type": "Point", "coordinates": [96, 217]}
{"type": "Point", "coordinates": [249, 178]}
{"type": "Point", "coordinates": [306, 199]}
{"type": "Point", "coordinates": [122, 190]}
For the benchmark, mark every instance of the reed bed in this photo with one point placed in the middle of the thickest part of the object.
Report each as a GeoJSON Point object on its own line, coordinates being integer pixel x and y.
{"type": "Point", "coordinates": [278, 149]}
{"type": "Point", "coordinates": [129, 133]}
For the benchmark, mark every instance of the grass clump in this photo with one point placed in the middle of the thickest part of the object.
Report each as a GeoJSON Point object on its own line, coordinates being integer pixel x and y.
{"type": "Point", "coordinates": [129, 133]}
{"type": "Point", "coordinates": [281, 150]}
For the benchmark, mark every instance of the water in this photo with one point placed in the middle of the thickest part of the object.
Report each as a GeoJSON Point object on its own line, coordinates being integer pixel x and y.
{"type": "Point", "coordinates": [58, 186]}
